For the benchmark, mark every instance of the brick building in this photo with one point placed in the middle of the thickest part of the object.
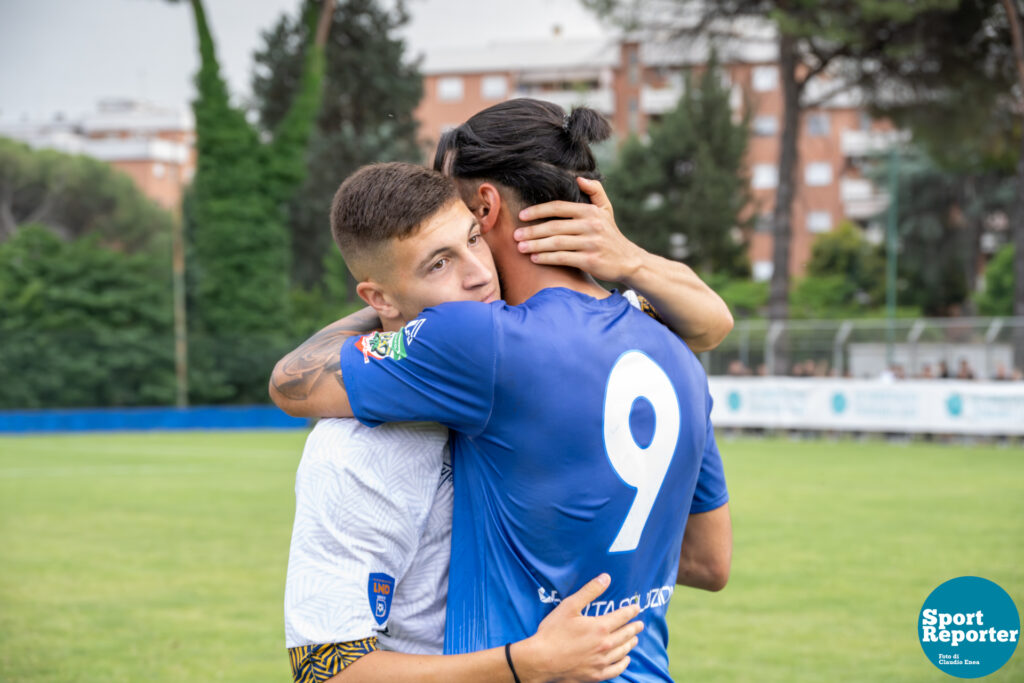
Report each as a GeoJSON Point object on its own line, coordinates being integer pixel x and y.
{"type": "Point", "coordinates": [154, 146]}
{"type": "Point", "coordinates": [634, 83]}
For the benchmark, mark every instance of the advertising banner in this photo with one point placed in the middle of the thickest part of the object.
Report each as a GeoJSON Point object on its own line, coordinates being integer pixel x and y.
{"type": "Point", "coordinates": [928, 406]}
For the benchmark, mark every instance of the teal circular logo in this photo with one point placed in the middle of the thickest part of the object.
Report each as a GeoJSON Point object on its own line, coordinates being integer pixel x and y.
{"type": "Point", "coordinates": [734, 400]}
{"type": "Point", "coordinates": [969, 627]}
{"type": "Point", "coordinates": [838, 403]}
{"type": "Point", "coordinates": [955, 404]}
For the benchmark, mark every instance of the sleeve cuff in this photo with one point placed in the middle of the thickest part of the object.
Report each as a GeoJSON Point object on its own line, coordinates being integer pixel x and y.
{"type": "Point", "coordinates": [708, 506]}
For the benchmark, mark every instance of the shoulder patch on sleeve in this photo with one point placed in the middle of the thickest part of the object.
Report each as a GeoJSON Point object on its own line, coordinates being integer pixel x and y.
{"type": "Point", "coordinates": [381, 345]}
{"type": "Point", "coordinates": [379, 589]}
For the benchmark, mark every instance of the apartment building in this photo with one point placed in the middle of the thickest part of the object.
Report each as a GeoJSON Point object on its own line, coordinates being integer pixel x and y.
{"type": "Point", "coordinates": [634, 82]}
{"type": "Point", "coordinates": [155, 146]}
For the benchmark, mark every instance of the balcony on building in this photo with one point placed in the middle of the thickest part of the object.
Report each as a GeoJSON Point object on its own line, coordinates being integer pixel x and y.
{"type": "Point", "coordinates": [861, 199]}
{"type": "Point", "coordinates": [600, 99]}
{"type": "Point", "coordinates": [868, 143]}
{"type": "Point", "coordinates": [657, 101]}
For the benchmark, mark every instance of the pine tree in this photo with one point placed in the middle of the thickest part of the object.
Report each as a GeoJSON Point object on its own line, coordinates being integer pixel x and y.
{"type": "Point", "coordinates": [236, 214]}
{"type": "Point", "coordinates": [370, 94]}
{"type": "Point", "coordinates": [687, 179]}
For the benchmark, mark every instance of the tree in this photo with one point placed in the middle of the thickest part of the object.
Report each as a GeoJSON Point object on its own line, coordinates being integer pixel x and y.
{"type": "Point", "coordinates": [370, 94]}
{"type": "Point", "coordinates": [1015, 18]}
{"type": "Point", "coordinates": [814, 38]}
{"type": "Point", "coordinates": [236, 219]}
{"type": "Point", "coordinates": [687, 179]}
{"type": "Point", "coordinates": [956, 79]}
{"type": "Point", "coordinates": [84, 271]}
{"type": "Point", "coordinates": [998, 295]}
{"type": "Point", "coordinates": [83, 324]}
{"type": "Point", "coordinates": [75, 196]}
{"type": "Point", "coordinates": [845, 275]}
{"type": "Point", "coordinates": [941, 216]}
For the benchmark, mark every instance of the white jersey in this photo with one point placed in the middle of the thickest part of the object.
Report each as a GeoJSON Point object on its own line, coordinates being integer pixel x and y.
{"type": "Point", "coordinates": [371, 542]}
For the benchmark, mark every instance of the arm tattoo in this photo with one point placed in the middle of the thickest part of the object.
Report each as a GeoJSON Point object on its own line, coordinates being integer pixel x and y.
{"type": "Point", "coordinates": [319, 357]}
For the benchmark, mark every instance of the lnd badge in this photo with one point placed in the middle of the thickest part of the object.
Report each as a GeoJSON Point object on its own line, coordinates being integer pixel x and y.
{"type": "Point", "coordinates": [380, 589]}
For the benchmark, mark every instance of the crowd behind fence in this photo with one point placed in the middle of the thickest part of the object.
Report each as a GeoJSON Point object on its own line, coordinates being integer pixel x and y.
{"type": "Point", "coordinates": [135, 367]}
{"type": "Point", "coordinates": [921, 348]}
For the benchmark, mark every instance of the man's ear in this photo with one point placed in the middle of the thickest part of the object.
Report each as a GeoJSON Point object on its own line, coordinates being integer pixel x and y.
{"type": "Point", "coordinates": [375, 297]}
{"type": "Point", "coordinates": [488, 206]}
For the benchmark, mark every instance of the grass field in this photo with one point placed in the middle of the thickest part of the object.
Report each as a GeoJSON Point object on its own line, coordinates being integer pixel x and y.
{"type": "Point", "coordinates": [161, 557]}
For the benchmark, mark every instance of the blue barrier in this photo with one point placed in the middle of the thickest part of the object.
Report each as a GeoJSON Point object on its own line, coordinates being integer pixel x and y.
{"type": "Point", "coordinates": [135, 419]}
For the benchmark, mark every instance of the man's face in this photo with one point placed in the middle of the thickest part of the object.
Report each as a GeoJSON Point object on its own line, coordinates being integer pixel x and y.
{"type": "Point", "coordinates": [445, 260]}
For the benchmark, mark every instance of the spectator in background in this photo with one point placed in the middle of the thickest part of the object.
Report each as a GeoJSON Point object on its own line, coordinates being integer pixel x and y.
{"type": "Point", "coordinates": [1002, 375]}
{"type": "Point", "coordinates": [807, 368]}
{"type": "Point", "coordinates": [965, 370]}
{"type": "Point", "coordinates": [738, 369]}
{"type": "Point", "coordinates": [926, 372]}
{"type": "Point", "coordinates": [943, 370]}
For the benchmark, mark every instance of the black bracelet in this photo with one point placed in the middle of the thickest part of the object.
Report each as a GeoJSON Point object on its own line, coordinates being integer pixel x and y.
{"type": "Point", "coordinates": [508, 658]}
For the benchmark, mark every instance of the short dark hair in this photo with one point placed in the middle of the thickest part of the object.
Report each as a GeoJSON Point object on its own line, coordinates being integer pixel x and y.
{"type": "Point", "coordinates": [381, 202]}
{"type": "Point", "coordinates": [530, 146]}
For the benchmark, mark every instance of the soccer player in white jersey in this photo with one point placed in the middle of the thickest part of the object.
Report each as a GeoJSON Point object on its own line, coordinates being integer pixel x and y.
{"type": "Point", "coordinates": [404, 503]}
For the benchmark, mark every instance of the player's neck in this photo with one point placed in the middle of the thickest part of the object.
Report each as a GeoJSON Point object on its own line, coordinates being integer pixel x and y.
{"type": "Point", "coordinates": [521, 279]}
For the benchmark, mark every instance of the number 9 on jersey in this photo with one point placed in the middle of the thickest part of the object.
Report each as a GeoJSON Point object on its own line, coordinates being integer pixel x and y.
{"type": "Point", "coordinates": [636, 375]}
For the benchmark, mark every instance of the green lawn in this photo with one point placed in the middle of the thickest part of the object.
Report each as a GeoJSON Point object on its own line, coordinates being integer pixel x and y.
{"type": "Point", "coordinates": [161, 557]}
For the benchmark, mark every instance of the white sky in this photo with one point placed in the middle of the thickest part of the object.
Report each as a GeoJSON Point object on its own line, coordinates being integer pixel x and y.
{"type": "Point", "coordinates": [65, 55]}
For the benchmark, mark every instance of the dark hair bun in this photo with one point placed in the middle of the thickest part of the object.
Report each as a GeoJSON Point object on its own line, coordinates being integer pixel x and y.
{"type": "Point", "coordinates": [586, 126]}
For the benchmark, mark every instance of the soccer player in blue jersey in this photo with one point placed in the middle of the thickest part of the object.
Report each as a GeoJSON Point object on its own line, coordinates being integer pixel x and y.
{"type": "Point", "coordinates": [580, 427]}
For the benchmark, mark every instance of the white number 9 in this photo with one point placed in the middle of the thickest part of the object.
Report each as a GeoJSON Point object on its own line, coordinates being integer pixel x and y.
{"type": "Point", "coordinates": [635, 375]}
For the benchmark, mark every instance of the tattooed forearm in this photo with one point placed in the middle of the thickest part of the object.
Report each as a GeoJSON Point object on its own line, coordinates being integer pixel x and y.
{"type": "Point", "coordinates": [318, 359]}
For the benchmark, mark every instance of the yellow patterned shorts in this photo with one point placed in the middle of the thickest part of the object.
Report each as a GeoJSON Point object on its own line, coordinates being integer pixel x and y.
{"type": "Point", "coordinates": [317, 663]}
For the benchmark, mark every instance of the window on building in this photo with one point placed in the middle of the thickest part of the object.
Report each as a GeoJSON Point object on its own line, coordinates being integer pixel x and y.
{"type": "Point", "coordinates": [449, 88]}
{"type": "Point", "coordinates": [764, 78]}
{"type": "Point", "coordinates": [736, 102]}
{"type": "Point", "coordinates": [763, 222]}
{"type": "Point", "coordinates": [634, 66]}
{"type": "Point", "coordinates": [864, 120]}
{"type": "Point", "coordinates": [633, 115]}
{"type": "Point", "coordinates": [764, 177]}
{"type": "Point", "coordinates": [765, 126]}
{"type": "Point", "coordinates": [159, 170]}
{"type": "Point", "coordinates": [494, 87]}
{"type": "Point", "coordinates": [818, 174]}
{"type": "Point", "coordinates": [817, 124]}
{"type": "Point", "coordinates": [819, 221]}
{"type": "Point", "coordinates": [762, 270]}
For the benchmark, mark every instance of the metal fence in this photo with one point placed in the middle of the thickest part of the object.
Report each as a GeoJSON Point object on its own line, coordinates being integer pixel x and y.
{"type": "Point", "coordinates": [955, 348]}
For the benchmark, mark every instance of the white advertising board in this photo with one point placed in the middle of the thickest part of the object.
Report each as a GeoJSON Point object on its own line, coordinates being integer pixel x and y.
{"type": "Point", "coordinates": [926, 406]}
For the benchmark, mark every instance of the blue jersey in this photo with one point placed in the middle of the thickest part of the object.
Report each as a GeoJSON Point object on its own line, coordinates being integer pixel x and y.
{"type": "Point", "coordinates": [581, 442]}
